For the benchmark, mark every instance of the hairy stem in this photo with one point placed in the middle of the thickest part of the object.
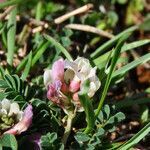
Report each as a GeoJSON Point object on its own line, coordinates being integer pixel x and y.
{"type": "Point", "coordinates": [68, 127]}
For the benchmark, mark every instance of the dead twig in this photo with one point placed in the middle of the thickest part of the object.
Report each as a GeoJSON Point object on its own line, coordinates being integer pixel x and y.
{"type": "Point", "coordinates": [6, 12]}
{"type": "Point", "coordinates": [37, 29]}
{"type": "Point", "coordinates": [80, 10]}
{"type": "Point", "coordinates": [91, 29]}
{"type": "Point", "coordinates": [38, 23]}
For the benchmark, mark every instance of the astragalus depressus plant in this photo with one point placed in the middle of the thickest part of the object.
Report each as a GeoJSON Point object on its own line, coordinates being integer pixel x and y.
{"type": "Point", "coordinates": [74, 74]}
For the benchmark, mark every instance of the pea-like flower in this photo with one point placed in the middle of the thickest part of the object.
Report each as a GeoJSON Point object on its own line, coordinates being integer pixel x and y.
{"type": "Point", "coordinates": [65, 80]}
{"type": "Point", "coordinates": [12, 119]}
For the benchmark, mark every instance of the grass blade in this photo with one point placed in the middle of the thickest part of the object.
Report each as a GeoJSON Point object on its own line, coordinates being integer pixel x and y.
{"type": "Point", "coordinates": [112, 67]}
{"type": "Point", "coordinates": [39, 13]}
{"type": "Point", "coordinates": [111, 42]}
{"type": "Point", "coordinates": [9, 3]}
{"type": "Point", "coordinates": [40, 52]}
{"type": "Point", "coordinates": [130, 102]}
{"type": "Point", "coordinates": [135, 44]}
{"type": "Point", "coordinates": [22, 64]}
{"type": "Point", "coordinates": [2, 28]}
{"type": "Point", "coordinates": [131, 65]}
{"type": "Point", "coordinates": [11, 26]}
{"type": "Point", "coordinates": [101, 60]}
{"type": "Point", "coordinates": [59, 46]}
{"type": "Point", "coordinates": [136, 138]}
{"type": "Point", "coordinates": [37, 54]}
{"type": "Point", "coordinates": [27, 67]}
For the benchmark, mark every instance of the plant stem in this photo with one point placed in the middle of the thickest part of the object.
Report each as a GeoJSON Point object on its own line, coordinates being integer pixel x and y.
{"type": "Point", "coordinates": [68, 127]}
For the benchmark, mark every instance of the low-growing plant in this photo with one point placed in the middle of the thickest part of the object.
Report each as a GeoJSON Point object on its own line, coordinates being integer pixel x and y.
{"type": "Point", "coordinates": [54, 100]}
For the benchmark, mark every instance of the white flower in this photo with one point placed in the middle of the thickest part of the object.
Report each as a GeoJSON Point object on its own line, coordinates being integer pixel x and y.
{"type": "Point", "coordinates": [10, 109]}
{"type": "Point", "coordinates": [83, 71]}
{"type": "Point", "coordinates": [12, 119]}
{"type": "Point", "coordinates": [66, 79]}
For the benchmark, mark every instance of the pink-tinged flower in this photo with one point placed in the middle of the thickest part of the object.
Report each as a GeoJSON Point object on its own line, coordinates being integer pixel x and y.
{"type": "Point", "coordinates": [58, 70]}
{"type": "Point", "coordinates": [65, 80]}
{"type": "Point", "coordinates": [74, 86]}
{"type": "Point", "coordinates": [13, 121]}
{"type": "Point", "coordinates": [56, 74]}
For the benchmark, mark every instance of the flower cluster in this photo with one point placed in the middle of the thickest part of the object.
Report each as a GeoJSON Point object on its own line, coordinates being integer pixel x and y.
{"type": "Point", "coordinates": [12, 119]}
{"type": "Point", "coordinates": [66, 79]}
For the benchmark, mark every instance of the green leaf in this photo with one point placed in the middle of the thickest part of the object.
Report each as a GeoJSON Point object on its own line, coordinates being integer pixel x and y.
{"type": "Point", "coordinates": [100, 132]}
{"type": "Point", "coordinates": [3, 84]}
{"type": "Point", "coordinates": [9, 3]}
{"type": "Point", "coordinates": [11, 26]}
{"type": "Point", "coordinates": [120, 116]}
{"type": "Point", "coordinates": [111, 42]}
{"type": "Point", "coordinates": [88, 108]}
{"type": "Point", "coordinates": [52, 137]}
{"type": "Point", "coordinates": [107, 110]}
{"type": "Point", "coordinates": [136, 138]}
{"type": "Point", "coordinates": [10, 81]}
{"type": "Point", "coordinates": [22, 63]}
{"type": "Point", "coordinates": [27, 67]}
{"type": "Point", "coordinates": [15, 89]}
{"type": "Point", "coordinates": [131, 102]}
{"type": "Point", "coordinates": [111, 70]}
{"type": "Point", "coordinates": [38, 18]}
{"type": "Point", "coordinates": [9, 141]}
{"type": "Point", "coordinates": [117, 117]}
{"type": "Point", "coordinates": [17, 82]}
{"type": "Point", "coordinates": [101, 60]}
{"type": "Point", "coordinates": [101, 117]}
{"type": "Point", "coordinates": [2, 28]}
{"type": "Point", "coordinates": [135, 44]}
{"type": "Point", "coordinates": [131, 65]}
{"type": "Point", "coordinates": [39, 52]}
{"type": "Point", "coordinates": [144, 114]}
{"type": "Point", "coordinates": [66, 41]}
{"type": "Point", "coordinates": [58, 46]}
{"type": "Point", "coordinates": [2, 72]}
{"type": "Point", "coordinates": [4, 39]}
{"type": "Point", "coordinates": [81, 137]}
{"type": "Point", "coordinates": [146, 24]}
{"type": "Point", "coordinates": [2, 96]}
{"type": "Point", "coordinates": [50, 141]}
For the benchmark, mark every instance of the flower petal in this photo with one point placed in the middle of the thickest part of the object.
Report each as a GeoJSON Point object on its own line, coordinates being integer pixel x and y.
{"type": "Point", "coordinates": [58, 70]}
{"type": "Point", "coordinates": [3, 112]}
{"type": "Point", "coordinates": [5, 104]}
{"type": "Point", "coordinates": [74, 86]}
{"type": "Point", "coordinates": [53, 89]}
{"type": "Point", "coordinates": [24, 124]}
{"type": "Point", "coordinates": [14, 109]}
{"type": "Point", "coordinates": [47, 77]}
{"type": "Point", "coordinates": [69, 75]}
